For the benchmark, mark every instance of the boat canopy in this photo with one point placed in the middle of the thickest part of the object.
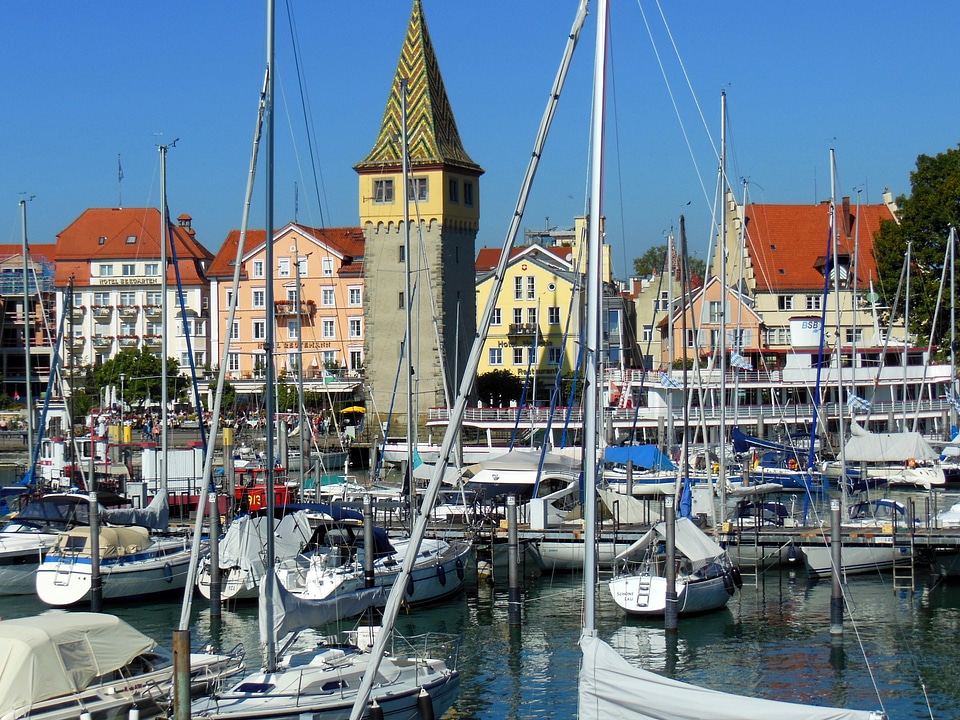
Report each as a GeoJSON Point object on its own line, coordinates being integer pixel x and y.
{"type": "Point", "coordinates": [60, 653]}
{"type": "Point", "coordinates": [115, 542]}
{"type": "Point", "coordinates": [610, 687]}
{"type": "Point", "coordinates": [743, 442]}
{"type": "Point", "coordinates": [691, 542]}
{"type": "Point", "coordinates": [644, 456]}
{"type": "Point", "coordinates": [865, 446]}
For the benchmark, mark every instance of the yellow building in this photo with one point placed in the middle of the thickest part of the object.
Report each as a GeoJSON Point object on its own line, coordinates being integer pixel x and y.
{"type": "Point", "coordinates": [537, 320]}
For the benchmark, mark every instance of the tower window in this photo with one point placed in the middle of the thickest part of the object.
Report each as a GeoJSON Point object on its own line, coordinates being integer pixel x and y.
{"type": "Point", "coordinates": [417, 189]}
{"type": "Point", "coordinates": [468, 194]}
{"type": "Point", "coordinates": [383, 191]}
{"type": "Point", "coordinates": [454, 191]}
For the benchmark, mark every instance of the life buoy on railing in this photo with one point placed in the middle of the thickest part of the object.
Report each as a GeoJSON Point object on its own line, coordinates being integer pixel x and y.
{"type": "Point", "coordinates": [911, 463]}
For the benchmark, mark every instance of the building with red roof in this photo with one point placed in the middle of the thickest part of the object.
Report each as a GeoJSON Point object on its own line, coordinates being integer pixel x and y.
{"type": "Point", "coordinates": [320, 326]}
{"type": "Point", "coordinates": [112, 256]}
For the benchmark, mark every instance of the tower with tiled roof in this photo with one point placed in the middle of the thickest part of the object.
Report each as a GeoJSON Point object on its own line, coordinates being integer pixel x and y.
{"type": "Point", "coordinates": [444, 213]}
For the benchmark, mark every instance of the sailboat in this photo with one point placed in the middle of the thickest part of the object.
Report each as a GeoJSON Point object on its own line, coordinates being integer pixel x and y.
{"type": "Point", "coordinates": [609, 687]}
{"type": "Point", "coordinates": [138, 553]}
{"type": "Point", "coordinates": [327, 681]}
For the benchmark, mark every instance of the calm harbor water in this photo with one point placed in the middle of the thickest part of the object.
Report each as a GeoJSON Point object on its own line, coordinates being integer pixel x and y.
{"type": "Point", "coordinates": [772, 640]}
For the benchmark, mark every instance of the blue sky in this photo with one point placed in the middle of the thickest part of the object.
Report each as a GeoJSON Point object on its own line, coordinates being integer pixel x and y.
{"type": "Point", "coordinates": [86, 82]}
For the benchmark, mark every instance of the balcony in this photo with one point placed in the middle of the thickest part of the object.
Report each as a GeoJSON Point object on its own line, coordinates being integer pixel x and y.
{"type": "Point", "coordinates": [102, 311]}
{"type": "Point", "coordinates": [78, 341]}
{"type": "Point", "coordinates": [77, 313]}
{"type": "Point", "coordinates": [531, 330]}
{"type": "Point", "coordinates": [101, 341]}
{"type": "Point", "coordinates": [152, 341]}
{"type": "Point", "coordinates": [152, 310]}
{"type": "Point", "coordinates": [128, 341]}
{"type": "Point", "coordinates": [128, 310]}
{"type": "Point", "coordinates": [285, 308]}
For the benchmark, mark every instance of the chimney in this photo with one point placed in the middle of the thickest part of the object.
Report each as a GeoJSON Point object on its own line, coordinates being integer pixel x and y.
{"type": "Point", "coordinates": [847, 220]}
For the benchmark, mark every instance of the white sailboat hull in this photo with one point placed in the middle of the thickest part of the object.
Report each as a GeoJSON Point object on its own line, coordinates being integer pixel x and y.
{"type": "Point", "coordinates": [66, 579]}
{"type": "Point", "coordinates": [646, 594]}
{"type": "Point", "coordinates": [854, 559]}
{"type": "Point", "coordinates": [20, 556]}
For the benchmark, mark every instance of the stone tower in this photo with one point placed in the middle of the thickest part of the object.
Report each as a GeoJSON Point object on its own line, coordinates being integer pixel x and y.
{"type": "Point", "coordinates": [444, 213]}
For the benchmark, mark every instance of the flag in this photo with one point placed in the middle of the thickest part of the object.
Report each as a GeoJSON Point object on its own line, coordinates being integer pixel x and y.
{"type": "Point", "coordinates": [668, 382]}
{"type": "Point", "coordinates": [614, 394]}
{"type": "Point", "coordinates": [16, 395]}
{"type": "Point", "coordinates": [954, 400]}
{"type": "Point", "coordinates": [855, 402]}
{"type": "Point", "coordinates": [739, 361]}
{"type": "Point", "coordinates": [119, 170]}
{"type": "Point", "coordinates": [327, 377]}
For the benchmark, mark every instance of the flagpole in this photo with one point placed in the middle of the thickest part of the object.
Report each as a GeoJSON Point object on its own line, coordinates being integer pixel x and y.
{"type": "Point", "coordinates": [119, 183]}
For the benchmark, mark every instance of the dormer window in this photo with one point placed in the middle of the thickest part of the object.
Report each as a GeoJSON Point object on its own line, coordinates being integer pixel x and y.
{"type": "Point", "coordinates": [101, 240]}
{"type": "Point", "coordinates": [131, 239]}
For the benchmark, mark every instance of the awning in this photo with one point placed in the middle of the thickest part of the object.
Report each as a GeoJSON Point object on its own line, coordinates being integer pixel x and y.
{"type": "Point", "coordinates": [353, 409]}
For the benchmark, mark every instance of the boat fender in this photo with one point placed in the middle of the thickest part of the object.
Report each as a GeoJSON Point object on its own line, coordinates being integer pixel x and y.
{"type": "Point", "coordinates": [442, 575]}
{"type": "Point", "coordinates": [911, 462]}
{"type": "Point", "coordinates": [410, 586]}
{"type": "Point", "coordinates": [459, 569]}
{"type": "Point", "coordinates": [425, 705]}
{"type": "Point", "coordinates": [167, 572]}
{"type": "Point", "coordinates": [376, 712]}
{"type": "Point", "coordinates": [728, 583]}
{"type": "Point", "coordinates": [792, 553]}
{"type": "Point", "coordinates": [737, 578]}
{"type": "Point", "coordinates": [133, 713]}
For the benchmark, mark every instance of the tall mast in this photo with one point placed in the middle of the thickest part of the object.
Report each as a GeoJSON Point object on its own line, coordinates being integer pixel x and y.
{"type": "Point", "coordinates": [407, 298]}
{"type": "Point", "coordinates": [164, 322]}
{"type": "Point", "coordinates": [833, 266]}
{"type": "Point", "coordinates": [269, 391]}
{"type": "Point", "coordinates": [722, 480]}
{"type": "Point", "coordinates": [593, 336]}
{"type": "Point", "coordinates": [26, 325]}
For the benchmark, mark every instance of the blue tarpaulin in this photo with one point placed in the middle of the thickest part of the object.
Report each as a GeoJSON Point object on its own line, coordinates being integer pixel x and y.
{"type": "Point", "coordinates": [644, 456]}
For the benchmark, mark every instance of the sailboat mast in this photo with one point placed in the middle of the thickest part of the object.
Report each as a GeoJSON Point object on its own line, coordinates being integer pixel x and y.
{"type": "Point", "coordinates": [953, 327]}
{"type": "Point", "coordinates": [164, 322]}
{"type": "Point", "coordinates": [26, 325]}
{"type": "Point", "coordinates": [270, 654]}
{"type": "Point", "coordinates": [833, 266]}
{"type": "Point", "coordinates": [722, 479]}
{"type": "Point", "coordinates": [591, 401]}
{"type": "Point", "coordinates": [408, 297]}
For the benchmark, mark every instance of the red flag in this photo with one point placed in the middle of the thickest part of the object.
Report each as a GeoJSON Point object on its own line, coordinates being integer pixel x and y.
{"type": "Point", "coordinates": [16, 395]}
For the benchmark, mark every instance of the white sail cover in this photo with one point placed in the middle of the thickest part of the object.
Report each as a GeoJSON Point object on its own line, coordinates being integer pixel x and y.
{"type": "Point", "coordinates": [282, 612]}
{"type": "Point", "coordinates": [613, 689]}
{"type": "Point", "coordinates": [865, 446]}
{"type": "Point", "coordinates": [691, 542]}
{"type": "Point", "coordinates": [59, 653]}
{"type": "Point", "coordinates": [244, 542]}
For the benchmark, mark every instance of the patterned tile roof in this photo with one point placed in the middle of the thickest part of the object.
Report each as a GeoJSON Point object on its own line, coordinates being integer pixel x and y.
{"type": "Point", "coordinates": [787, 244]}
{"type": "Point", "coordinates": [431, 128]}
{"type": "Point", "coordinates": [122, 234]}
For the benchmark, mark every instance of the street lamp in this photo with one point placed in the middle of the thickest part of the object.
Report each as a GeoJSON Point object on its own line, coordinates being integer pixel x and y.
{"type": "Point", "coordinates": [122, 404]}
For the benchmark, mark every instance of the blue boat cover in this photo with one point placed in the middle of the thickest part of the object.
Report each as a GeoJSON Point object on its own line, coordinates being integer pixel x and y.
{"type": "Point", "coordinates": [645, 456]}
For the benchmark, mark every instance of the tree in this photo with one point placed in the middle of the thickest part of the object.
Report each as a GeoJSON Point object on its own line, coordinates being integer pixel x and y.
{"type": "Point", "coordinates": [924, 221]}
{"type": "Point", "coordinates": [142, 371]}
{"type": "Point", "coordinates": [654, 261]}
{"type": "Point", "coordinates": [498, 387]}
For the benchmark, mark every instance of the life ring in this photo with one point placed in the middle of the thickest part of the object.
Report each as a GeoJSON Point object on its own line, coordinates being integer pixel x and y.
{"type": "Point", "coordinates": [167, 572]}
{"type": "Point", "coordinates": [792, 463]}
{"type": "Point", "coordinates": [911, 463]}
{"type": "Point", "coordinates": [442, 575]}
{"type": "Point", "coordinates": [459, 569]}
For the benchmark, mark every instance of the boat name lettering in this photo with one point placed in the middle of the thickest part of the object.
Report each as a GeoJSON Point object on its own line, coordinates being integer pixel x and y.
{"type": "Point", "coordinates": [810, 325]}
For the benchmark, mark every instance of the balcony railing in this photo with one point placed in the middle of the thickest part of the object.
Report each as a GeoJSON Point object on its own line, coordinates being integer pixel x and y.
{"type": "Point", "coordinates": [286, 308]}
{"type": "Point", "coordinates": [525, 329]}
{"type": "Point", "coordinates": [128, 341]}
{"type": "Point", "coordinates": [102, 340]}
{"type": "Point", "coordinates": [103, 310]}
{"type": "Point", "coordinates": [152, 310]}
{"type": "Point", "coordinates": [152, 340]}
{"type": "Point", "coordinates": [128, 310]}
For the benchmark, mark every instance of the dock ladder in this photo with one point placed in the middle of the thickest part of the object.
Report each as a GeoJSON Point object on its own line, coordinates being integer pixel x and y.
{"type": "Point", "coordinates": [904, 567]}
